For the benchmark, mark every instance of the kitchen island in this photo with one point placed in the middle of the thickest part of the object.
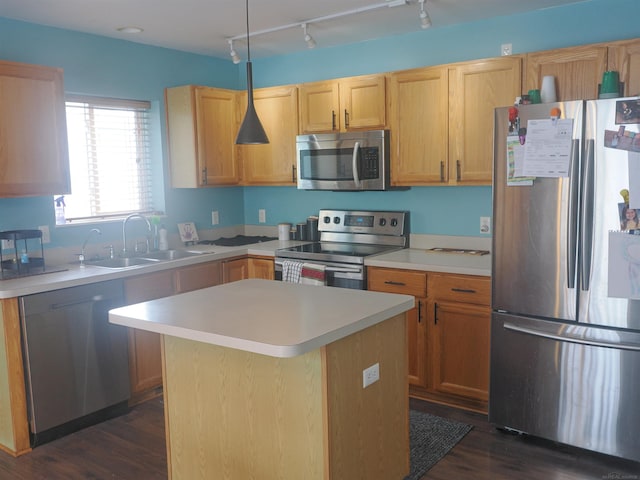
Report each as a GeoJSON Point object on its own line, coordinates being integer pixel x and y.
{"type": "Point", "coordinates": [264, 379]}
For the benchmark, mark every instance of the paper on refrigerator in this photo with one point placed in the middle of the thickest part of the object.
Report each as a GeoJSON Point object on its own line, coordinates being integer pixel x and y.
{"type": "Point", "coordinates": [548, 148]}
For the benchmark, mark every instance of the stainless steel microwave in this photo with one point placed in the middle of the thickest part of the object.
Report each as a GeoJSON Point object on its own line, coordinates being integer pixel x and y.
{"type": "Point", "coordinates": [343, 161]}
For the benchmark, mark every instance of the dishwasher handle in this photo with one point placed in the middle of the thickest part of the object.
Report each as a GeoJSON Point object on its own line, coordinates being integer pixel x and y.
{"type": "Point", "coordinates": [93, 299]}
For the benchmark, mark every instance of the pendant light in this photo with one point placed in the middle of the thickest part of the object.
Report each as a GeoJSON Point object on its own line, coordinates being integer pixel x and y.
{"type": "Point", "coordinates": [251, 131]}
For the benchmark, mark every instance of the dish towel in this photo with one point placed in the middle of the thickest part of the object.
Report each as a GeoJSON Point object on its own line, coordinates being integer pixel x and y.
{"type": "Point", "coordinates": [313, 274]}
{"type": "Point", "coordinates": [291, 271]}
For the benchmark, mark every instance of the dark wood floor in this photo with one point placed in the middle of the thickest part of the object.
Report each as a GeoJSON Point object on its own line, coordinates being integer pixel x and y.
{"type": "Point", "coordinates": [132, 447]}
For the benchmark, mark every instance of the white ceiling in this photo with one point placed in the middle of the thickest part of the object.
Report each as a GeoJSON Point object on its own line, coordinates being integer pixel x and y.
{"type": "Point", "coordinates": [203, 26]}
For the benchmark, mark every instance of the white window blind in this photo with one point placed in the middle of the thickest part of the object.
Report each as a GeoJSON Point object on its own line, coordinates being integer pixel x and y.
{"type": "Point", "coordinates": [109, 155]}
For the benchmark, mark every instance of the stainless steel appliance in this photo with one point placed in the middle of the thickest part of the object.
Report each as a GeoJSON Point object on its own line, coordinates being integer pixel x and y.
{"type": "Point", "coordinates": [565, 346]}
{"type": "Point", "coordinates": [344, 161]}
{"type": "Point", "coordinates": [346, 238]}
{"type": "Point", "coordinates": [76, 362]}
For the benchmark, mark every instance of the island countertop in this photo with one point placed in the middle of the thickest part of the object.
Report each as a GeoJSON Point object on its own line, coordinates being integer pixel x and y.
{"type": "Point", "coordinates": [268, 317]}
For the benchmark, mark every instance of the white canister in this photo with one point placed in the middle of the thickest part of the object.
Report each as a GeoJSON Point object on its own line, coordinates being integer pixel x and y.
{"type": "Point", "coordinates": [284, 230]}
{"type": "Point", "coordinates": [163, 241]}
{"type": "Point", "coordinates": [548, 89]}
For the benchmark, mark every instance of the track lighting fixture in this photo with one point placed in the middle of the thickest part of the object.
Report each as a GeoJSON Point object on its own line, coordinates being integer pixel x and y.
{"type": "Point", "coordinates": [311, 43]}
{"type": "Point", "coordinates": [425, 20]}
{"type": "Point", "coordinates": [234, 55]}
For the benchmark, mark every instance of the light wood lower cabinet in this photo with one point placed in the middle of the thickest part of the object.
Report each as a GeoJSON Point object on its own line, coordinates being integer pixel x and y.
{"type": "Point", "coordinates": [145, 367]}
{"type": "Point", "coordinates": [247, 267]}
{"type": "Point", "coordinates": [195, 277]}
{"type": "Point", "coordinates": [414, 283]}
{"type": "Point", "coordinates": [459, 320]}
{"type": "Point", "coordinates": [448, 334]}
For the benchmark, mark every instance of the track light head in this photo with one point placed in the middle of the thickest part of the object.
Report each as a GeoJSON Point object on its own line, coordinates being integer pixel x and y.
{"type": "Point", "coordinates": [425, 20]}
{"type": "Point", "coordinates": [234, 55]}
{"type": "Point", "coordinates": [311, 43]}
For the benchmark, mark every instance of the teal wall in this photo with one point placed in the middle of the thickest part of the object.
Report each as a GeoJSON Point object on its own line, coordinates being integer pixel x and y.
{"type": "Point", "coordinates": [107, 67]}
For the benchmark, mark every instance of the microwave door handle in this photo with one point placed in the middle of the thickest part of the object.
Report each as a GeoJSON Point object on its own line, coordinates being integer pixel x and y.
{"type": "Point", "coordinates": [354, 164]}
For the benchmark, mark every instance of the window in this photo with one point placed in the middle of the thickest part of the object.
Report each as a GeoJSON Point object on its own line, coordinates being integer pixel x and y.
{"type": "Point", "coordinates": [109, 157]}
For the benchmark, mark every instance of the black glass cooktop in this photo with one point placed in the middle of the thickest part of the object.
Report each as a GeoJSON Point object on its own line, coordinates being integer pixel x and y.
{"type": "Point", "coordinates": [333, 251]}
{"type": "Point", "coordinates": [237, 241]}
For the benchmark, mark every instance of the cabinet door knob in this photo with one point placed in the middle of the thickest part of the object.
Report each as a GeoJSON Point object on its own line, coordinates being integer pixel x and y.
{"type": "Point", "coordinates": [442, 172]}
{"type": "Point", "coordinates": [458, 170]}
{"type": "Point", "coordinates": [333, 119]}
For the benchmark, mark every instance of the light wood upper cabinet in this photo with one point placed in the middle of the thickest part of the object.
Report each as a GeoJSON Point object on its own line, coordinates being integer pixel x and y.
{"type": "Point", "coordinates": [475, 90]}
{"type": "Point", "coordinates": [273, 163]}
{"type": "Point", "coordinates": [419, 126]}
{"type": "Point", "coordinates": [442, 120]}
{"type": "Point", "coordinates": [34, 157]}
{"type": "Point", "coordinates": [353, 103]}
{"type": "Point", "coordinates": [624, 57]}
{"type": "Point", "coordinates": [577, 70]}
{"type": "Point", "coordinates": [202, 124]}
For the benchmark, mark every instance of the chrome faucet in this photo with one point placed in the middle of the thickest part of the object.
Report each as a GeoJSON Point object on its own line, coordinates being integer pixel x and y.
{"type": "Point", "coordinates": [124, 231]}
{"type": "Point", "coordinates": [81, 257]}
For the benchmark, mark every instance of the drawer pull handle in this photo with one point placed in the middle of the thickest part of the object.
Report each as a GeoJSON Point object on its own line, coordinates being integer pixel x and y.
{"type": "Point", "coordinates": [399, 284]}
{"type": "Point", "coordinates": [419, 311]}
{"type": "Point", "coordinates": [463, 290]}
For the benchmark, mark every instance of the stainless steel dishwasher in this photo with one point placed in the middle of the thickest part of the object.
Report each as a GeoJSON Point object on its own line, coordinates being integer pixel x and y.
{"type": "Point", "coordinates": [76, 362]}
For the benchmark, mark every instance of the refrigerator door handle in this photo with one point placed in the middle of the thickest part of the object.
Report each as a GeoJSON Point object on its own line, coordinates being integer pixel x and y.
{"type": "Point", "coordinates": [566, 337]}
{"type": "Point", "coordinates": [586, 222]}
{"type": "Point", "coordinates": [572, 217]}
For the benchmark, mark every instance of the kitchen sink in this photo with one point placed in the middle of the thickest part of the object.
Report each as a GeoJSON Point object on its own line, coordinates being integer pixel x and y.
{"type": "Point", "coordinates": [121, 262]}
{"type": "Point", "coordinates": [142, 259]}
{"type": "Point", "coordinates": [168, 255]}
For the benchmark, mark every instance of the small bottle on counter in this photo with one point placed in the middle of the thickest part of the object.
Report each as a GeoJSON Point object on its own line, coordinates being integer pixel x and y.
{"type": "Point", "coordinates": [163, 242]}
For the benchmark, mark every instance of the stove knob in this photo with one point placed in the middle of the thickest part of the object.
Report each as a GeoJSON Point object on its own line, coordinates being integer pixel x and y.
{"type": "Point", "coordinates": [383, 222]}
{"type": "Point", "coordinates": [394, 222]}
{"type": "Point", "coordinates": [326, 219]}
{"type": "Point", "coordinates": [336, 220]}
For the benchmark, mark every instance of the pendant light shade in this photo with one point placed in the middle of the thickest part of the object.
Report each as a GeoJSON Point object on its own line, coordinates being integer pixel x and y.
{"type": "Point", "coordinates": [251, 131]}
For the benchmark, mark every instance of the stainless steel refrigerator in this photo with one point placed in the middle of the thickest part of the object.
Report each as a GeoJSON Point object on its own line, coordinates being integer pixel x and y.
{"type": "Point", "coordinates": [565, 330]}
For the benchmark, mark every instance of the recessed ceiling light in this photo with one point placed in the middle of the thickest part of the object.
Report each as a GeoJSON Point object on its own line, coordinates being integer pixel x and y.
{"type": "Point", "coordinates": [130, 30]}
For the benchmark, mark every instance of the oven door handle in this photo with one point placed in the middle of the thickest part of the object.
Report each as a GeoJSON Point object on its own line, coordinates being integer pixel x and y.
{"type": "Point", "coordinates": [329, 269]}
{"type": "Point", "coordinates": [342, 270]}
{"type": "Point", "coordinates": [354, 164]}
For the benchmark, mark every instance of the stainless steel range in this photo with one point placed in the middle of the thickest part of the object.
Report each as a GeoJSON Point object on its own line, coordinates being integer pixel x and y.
{"type": "Point", "coordinates": [347, 237]}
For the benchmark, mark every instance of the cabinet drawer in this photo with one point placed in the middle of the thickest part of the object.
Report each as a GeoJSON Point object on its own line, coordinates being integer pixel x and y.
{"type": "Point", "coordinates": [461, 288]}
{"type": "Point", "coordinates": [407, 282]}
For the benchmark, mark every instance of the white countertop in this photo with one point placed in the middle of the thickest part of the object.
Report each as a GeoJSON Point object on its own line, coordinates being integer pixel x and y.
{"type": "Point", "coordinates": [413, 259]}
{"type": "Point", "coordinates": [423, 259]}
{"type": "Point", "coordinates": [74, 275]}
{"type": "Point", "coordinates": [272, 318]}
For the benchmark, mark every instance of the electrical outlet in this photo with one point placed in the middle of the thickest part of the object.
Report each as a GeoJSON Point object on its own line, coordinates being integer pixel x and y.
{"type": "Point", "coordinates": [6, 244]}
{"type": "Point", "coordinates": [505, 49]}
{"type": "Point", "coordinates": [46, 238]}
{"type": "Point", "coordinates": [262, 215]}
{"type": "Point", "coordinates": [370, 375]}
{"type": "Point", "coordinates": [485, 225]}
{"type": "Point", "coordinates": [215, 218]}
